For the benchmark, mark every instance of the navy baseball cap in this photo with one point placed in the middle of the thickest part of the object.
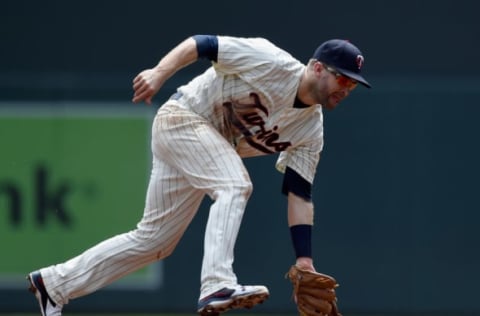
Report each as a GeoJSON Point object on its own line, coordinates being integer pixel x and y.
{"type": "Point", "coordinates": [342, 55]}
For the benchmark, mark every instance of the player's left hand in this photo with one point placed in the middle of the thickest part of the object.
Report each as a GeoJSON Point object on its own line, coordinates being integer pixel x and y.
{"type": "Point", "coordinates": [314, 293]}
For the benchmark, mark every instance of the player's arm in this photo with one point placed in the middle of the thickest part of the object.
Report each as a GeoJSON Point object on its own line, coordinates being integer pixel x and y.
{"type": "Point", "coordinates": [300, 216]}
{"type": "Point", "coordinates": [148, 82]}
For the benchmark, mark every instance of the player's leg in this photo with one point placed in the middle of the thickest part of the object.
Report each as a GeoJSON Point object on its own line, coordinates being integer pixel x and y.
{"type": "Point", "coordinates": [171, 201]}
{"type": "Point", "coordinates": [230, 187]}
{"type": "Point", "coordinates": [212, 165]}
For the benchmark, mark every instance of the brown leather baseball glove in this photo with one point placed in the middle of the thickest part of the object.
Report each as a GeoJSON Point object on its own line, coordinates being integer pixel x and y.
{"type": "Point", "coordinates": [313, 292]}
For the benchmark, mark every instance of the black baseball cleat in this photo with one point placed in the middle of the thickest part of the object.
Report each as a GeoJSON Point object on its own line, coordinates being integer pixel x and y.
{"type": "Point", "coordinates": [47, 306]}
{"type": "Point", "coordinates": [240, 296]}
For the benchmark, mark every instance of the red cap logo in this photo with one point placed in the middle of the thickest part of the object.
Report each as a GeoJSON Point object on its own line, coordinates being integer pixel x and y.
{"type": "Point", "coordinates": [359, 61]}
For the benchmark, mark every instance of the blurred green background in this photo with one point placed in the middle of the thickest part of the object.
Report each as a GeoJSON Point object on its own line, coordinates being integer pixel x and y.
{"type": "Point", "coordinates": [396, 191]}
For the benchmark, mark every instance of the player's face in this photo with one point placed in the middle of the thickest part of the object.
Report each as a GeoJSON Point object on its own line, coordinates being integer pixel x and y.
{"type": "Point", "coordinates": [343, 81]}
{"type": "Point", "coordinates": [334, 87]}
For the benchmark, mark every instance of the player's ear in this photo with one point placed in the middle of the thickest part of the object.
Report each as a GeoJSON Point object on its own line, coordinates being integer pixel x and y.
{"type": "Point", "coordinates": [317, 67]}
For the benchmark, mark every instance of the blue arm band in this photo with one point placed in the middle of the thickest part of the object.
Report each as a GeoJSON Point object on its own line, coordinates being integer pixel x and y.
{"type": "Point", "coordinates": [302, 240]}
{"type": "Point", "coordinates": [207, 46]}
{"type": "Point", "coordinates": [295, 183]}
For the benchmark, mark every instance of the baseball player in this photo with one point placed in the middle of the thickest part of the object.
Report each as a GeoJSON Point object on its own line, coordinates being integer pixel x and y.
{"type": "Point", "coordinates": [255, 99]}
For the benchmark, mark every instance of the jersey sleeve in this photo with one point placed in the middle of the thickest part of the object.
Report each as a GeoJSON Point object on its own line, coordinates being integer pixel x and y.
{"type": "Point", "coordinates": [294, 183]}
{"type": "Point", "coordinates": [304, 157]}
{"type": "Point", "coordinates": [237, 55]}
{"type": "Point", "coordinates": [303, 160]}
{"type": "Point", "coordinates": [207, 46]}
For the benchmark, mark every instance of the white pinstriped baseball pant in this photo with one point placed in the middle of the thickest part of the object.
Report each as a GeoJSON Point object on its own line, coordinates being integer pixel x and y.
{"type": "Point", "coordinates": [190, 159]}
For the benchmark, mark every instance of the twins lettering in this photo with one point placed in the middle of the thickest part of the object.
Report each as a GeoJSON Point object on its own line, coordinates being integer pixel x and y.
{"type": "Point", "coordinates": [247, 118]}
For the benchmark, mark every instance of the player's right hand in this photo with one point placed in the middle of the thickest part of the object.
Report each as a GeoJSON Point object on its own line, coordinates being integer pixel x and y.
{"type": "Point", "coordinates": [145, 85]}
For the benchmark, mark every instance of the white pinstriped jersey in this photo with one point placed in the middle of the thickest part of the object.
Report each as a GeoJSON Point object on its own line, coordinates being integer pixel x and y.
{"type": "Point", "coordinates": [248, 95]}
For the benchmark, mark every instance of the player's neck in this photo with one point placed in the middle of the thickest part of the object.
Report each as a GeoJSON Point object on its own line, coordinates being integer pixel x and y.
{"type": "Point", "coordinates": [303, 95]}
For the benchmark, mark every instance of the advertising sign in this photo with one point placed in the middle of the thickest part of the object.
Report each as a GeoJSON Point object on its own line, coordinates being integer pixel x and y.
{"type": "Point", "coordinates": [70, 176]}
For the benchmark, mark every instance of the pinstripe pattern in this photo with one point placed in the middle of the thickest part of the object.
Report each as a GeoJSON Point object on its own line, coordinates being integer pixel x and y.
{"type": "Point", "coordinates": [242, 106]}
{"type": "Point", "coordinates": [254, 64]}
{"type": "Point", "coordinates": [210, 165]}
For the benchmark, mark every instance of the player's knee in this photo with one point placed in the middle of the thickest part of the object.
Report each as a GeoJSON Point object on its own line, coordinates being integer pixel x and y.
{"type": "Point", "coordinates": [167, 251]}
{"type": "Point", "coordinates": [247, 188]}
{"type": "Point", "coordinates": [148, 243]}
{"type": "Point", "coordinates": [240, 189]}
